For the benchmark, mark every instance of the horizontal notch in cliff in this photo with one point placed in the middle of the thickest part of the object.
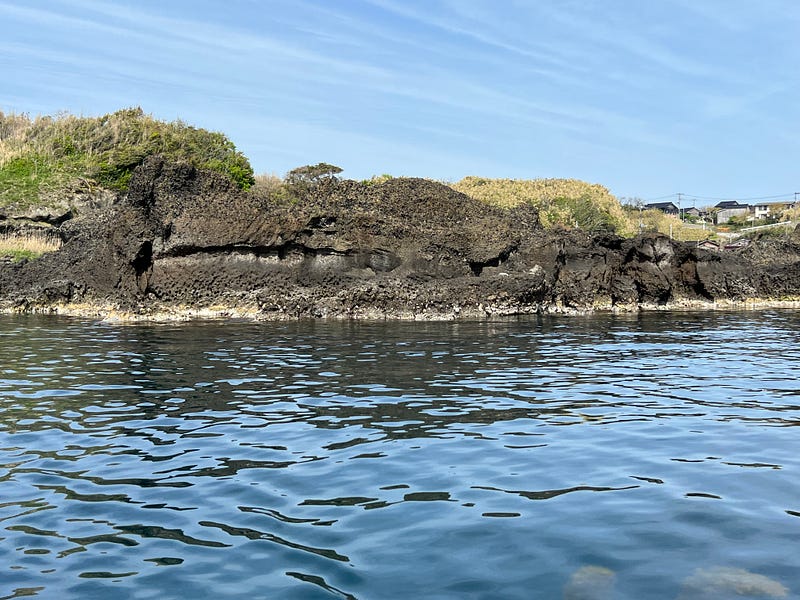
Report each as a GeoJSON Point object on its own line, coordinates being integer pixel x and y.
{"type": "Point", "coordinates": [379, 260]}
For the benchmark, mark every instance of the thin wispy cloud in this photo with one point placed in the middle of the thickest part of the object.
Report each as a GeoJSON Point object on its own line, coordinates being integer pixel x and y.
{"type": "Point", "coordinates": [599, 31]}
{"type": "Point", "coordinates": [447, 25]}
{"type": "Point", "coordinates": [205, 37]}
{"type": "Point", "coordinates": [632, 95]}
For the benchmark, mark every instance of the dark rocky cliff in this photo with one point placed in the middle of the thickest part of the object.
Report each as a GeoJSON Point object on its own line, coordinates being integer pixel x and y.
{"type": "Point", "coordinates": [183, 239]}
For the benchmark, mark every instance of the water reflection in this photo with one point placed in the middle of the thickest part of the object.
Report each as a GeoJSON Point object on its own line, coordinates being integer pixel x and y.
{"type": "Point", "coordinates": [396, 459]}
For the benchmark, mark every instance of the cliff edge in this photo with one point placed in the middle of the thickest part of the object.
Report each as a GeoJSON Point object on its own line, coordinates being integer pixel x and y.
{"type": "Point", "coordinates": [185, 239]}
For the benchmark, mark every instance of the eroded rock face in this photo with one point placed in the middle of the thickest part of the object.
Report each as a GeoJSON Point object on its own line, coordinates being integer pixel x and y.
{"type": "Point", "coordinates": [403, 248]}
{"type": "Point", "coordinates": [78, 199]}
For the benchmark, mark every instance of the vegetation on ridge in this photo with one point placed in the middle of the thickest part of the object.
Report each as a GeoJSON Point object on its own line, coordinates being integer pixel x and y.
{"type": "Point", "coordinates": [44, 155]}
{"type": "Point", "coordinates": [563, 203]}
{"type": "Point", "coordinates": [28, 244]}
{"type": "Point", "coordinates": [46, 158]}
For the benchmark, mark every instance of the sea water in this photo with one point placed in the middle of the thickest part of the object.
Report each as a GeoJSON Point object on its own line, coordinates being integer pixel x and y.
{"type": "Point", "coordinates": [651, 455]}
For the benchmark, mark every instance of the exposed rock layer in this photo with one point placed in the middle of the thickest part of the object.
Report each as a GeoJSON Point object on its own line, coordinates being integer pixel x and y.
{"type": "Point", "coordinates": [404, 248]}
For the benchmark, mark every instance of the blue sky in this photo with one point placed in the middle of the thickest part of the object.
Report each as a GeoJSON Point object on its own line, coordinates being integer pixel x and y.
{"type": "Point", "coordinates": [647, 98]}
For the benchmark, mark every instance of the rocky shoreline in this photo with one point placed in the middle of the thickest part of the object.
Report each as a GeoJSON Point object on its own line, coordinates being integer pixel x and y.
{"type": "Point", "coordinates": [186, 244]}
{"type": "Point", "coordinates": [175, 314]}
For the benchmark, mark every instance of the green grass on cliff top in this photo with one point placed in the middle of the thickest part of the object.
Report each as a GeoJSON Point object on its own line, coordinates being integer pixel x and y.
{"type": "Point", "coordinates": [44, 155]}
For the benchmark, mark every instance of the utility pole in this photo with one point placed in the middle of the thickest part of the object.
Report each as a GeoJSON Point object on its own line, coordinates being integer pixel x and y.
{"type": "Point", "coordinates": [680, 211]}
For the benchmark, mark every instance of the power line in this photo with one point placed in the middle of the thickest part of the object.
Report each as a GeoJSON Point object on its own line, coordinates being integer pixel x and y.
{"type": "Point", "coordinates": [679, 196]}
{"type": "Point", "coordinates": [661, 198]}
{"type": "Point", "coordinates": [787, 195]}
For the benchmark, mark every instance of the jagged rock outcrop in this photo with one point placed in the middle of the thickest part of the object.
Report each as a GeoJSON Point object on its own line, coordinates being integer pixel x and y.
{"type": "Point", "coordinates": [405, 248]}
{"type": "Point", "coordinates": [78, 199]}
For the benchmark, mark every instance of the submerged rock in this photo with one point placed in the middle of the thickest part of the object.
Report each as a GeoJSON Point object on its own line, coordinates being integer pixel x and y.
{"type": "Point", "coordinates": [726, 583]}
{"type": "Point", "coordinates": [590, 582]}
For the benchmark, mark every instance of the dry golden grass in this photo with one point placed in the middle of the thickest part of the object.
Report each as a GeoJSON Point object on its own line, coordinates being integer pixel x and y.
{"type": "Point", "coordinates": [13, 130]}
{"type": "Point", "coordinates": [30, 244]}
{"type": "Point", "coordinates": [691, 234]}
{"type": "Point", "coordinates": [790, 214]}
{"type": "Point", "coordinates": [266, 184]}
{"type": "Point", "coordinates": [655, 220]}
{"type": "Point", "coordinates": [561, 202]}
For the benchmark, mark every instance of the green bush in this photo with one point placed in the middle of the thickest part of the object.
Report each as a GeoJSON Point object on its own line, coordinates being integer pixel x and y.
{"type": "Point", "coordinates": [583, 213]}
{"type": "Point", "coordinates": [377, 179]}
{"type": "Point", "coordinates": [41, 154]}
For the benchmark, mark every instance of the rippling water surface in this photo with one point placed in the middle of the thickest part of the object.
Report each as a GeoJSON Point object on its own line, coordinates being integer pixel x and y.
{"type": "Point", "coordinates": [516, 459]}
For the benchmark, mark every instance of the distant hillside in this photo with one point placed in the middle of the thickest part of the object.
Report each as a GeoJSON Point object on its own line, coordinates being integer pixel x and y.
{"type": "Point", "coordinates": [567, 203]}
{"type": "Point", "coordinates": [42, 156]}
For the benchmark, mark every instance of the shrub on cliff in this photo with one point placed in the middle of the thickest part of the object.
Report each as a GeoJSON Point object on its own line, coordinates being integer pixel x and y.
{"type": "Point", "coordinates": [41, 155]}
{"type": "Point", "coordinates": [302, 181]}
{"type": "Point", "coordinates": [561, 202]}
{"type": "Point", "coordinates": [312, 174]}
{"type": "Point", "coordinates": [298, 184]}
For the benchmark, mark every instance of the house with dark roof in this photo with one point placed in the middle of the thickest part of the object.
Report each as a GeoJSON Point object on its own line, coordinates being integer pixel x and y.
{"type": "Point", "coordinates": [667, 208]}
{"type": "Point", "coordinates": [730, 208]}
{"type": "Point", "coordinates": [693, 212]}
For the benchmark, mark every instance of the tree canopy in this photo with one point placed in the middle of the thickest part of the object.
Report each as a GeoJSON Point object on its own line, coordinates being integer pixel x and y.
{"type": "Point", "coordinates": [312, 174]}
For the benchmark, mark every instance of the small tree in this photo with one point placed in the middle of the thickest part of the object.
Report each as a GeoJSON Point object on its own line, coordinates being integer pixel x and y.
{"type": "Point", "coordinates": [312, 175]}
{"type": "Point", "coordinates": [632, 202]}
{"type": "Point", "coordinates": [737, 221]}
{"type": "Point", "coordinates": [302, 181]}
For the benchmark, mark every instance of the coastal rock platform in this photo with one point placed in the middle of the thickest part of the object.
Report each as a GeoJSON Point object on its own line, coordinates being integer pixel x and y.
{"type": "Point", "coordinates": [189, 242]}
